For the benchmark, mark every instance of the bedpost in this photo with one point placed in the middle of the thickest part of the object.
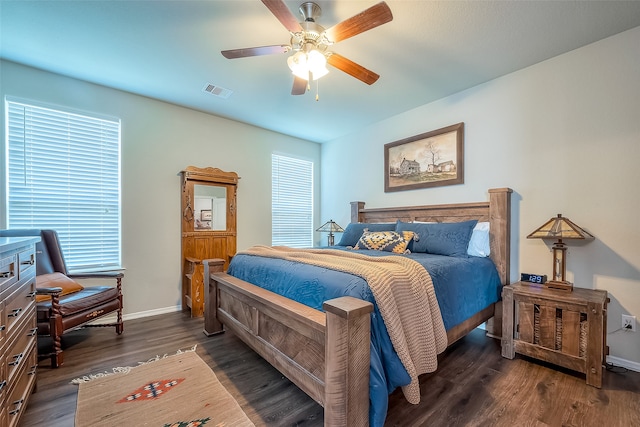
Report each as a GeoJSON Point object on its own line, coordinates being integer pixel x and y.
{"type": "Point", "coordinates": [212, 325]}
{"type": "Point", "coordinates": [347, 362]}
{"type": "Point", "coordinates": [500, 225]}
{"type": "Point", "coordinates": [355, 211]}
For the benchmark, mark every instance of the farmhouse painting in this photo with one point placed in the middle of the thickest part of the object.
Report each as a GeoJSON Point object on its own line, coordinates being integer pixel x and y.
{"type": "Point", "coordinates": [427, 160]}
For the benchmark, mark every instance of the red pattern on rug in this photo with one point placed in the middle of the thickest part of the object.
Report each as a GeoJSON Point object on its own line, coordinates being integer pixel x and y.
{"type": "Point", "coordinates": [151, 391]}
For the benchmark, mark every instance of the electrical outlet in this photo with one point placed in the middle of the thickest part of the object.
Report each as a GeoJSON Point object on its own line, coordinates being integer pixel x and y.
{"type": "Point", "coordinates": [628, 323]}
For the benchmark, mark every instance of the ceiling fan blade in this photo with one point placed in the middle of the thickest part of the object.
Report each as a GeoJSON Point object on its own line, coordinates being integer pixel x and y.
{"type": "Point", "coordinates": [284, 15]}
{"type": "Point", "coordinates": [255, 51]}
{"type": "Point", "coordinates": [299, 86]}
{"type": "Point", "coordinates": [353, 69]}
{"type": "Point", "coordinates": [367, 19]}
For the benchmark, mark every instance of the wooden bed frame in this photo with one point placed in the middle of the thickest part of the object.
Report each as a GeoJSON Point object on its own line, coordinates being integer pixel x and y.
{"type": "Point", "coordinates": [326, 354]}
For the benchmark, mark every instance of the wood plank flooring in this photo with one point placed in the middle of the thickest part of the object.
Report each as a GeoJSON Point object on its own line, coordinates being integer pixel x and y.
{"type": "Point", "coordinates": [474, 385]}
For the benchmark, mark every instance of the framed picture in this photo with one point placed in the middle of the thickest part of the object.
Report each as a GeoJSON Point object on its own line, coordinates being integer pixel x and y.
{"type": "Point", "coordinates": [431, 159]}
{"type": "Point", "coordinates": [205, 215]}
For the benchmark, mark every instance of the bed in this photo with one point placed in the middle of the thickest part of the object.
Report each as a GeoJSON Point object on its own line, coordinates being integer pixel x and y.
{"type": "Point", "coordinates": [326, 352]}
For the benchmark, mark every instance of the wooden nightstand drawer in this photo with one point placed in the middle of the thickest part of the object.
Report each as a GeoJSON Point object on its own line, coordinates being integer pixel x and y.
{"type": "Point", "coordinates": [564, 328]}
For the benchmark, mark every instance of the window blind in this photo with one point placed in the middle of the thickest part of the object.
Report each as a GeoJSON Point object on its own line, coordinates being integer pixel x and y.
{"type": "Point", "coordinates": [63, 173]}
{"type": "Point", "coordinates": [291, 202]}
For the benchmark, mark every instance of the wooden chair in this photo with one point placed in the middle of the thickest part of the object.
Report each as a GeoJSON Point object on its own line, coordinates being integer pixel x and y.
{"type": "Point", "coordinates": [62, 303]}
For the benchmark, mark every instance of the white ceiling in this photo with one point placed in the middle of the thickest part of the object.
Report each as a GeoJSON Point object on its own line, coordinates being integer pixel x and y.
{"type": "Point", "coordinates": [169, 50]}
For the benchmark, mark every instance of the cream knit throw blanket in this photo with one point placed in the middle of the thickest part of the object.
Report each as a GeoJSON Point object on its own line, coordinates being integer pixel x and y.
{"type": "Point", "coordinates": [404, 294]}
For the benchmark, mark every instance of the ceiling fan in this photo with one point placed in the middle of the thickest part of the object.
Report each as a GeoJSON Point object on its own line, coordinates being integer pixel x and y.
{"type": "Point", "coordinates": [310, 41]}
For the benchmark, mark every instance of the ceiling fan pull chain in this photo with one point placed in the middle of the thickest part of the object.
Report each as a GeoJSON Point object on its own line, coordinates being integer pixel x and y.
{"type": "Point", "coordinates": [317, 89]}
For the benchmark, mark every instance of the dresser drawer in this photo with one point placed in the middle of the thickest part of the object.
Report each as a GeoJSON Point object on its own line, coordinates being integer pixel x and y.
{"type": "Point", "coordinates": [26, 260]}
{"type": "Point", "coordinates": [22, 387]}
{"type": "Point", "coordinates": [8, 271]}
{"type": "Point", "coordinates": [4, 386]}
{"type": "Point", "coordinates": [20, 344]}
{"type": "Point", "coordinates": [17, 304]}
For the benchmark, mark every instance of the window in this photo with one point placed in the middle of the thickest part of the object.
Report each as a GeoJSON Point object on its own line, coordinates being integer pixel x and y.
{"type": "Point", "coordinates": [291, 202]}
{"type": "Point", "coordinates": [63, 173]}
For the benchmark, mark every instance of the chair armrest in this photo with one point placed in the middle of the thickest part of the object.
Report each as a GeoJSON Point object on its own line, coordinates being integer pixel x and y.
{"type": "Point", "coordinates": [102, 275]}
{"type": "Point", "coordinates": [49, 291]}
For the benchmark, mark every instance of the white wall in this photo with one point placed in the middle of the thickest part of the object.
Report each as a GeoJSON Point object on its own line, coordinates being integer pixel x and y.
{"type": "Point", "coordinates": [564, 134]}
{"type": "Point", "coordinates": [158, 141]}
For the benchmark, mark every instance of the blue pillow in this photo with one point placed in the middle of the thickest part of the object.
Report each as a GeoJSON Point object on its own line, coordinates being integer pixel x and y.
{"type": "Point", "coordinates": [354, 231]}
{"type": "Point", "coordinates": [448, 238]}
{"type": "Point", "coordinates": [419, 242]}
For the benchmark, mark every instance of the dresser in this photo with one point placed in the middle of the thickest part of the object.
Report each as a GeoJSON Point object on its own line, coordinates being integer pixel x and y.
{"type": "Point", "coordinates": [18, 327]}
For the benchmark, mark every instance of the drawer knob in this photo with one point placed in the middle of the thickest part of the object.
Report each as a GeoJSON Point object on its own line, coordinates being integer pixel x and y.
{"type": "Point", "coordinates": [5, 274]}
{"type": "Point", "coordinates": [15, 312]}
{"type": "Point", "coordinates": [30, 262]}
{"type": "Point", "coordinates": [31, 294]}
{"type": "Point", "coordinates": [32, 332]}
{"type": "Point", "coordinates": [16, 359]}
{"type": "Point", "coordinates": [3, 327]}
{"type": "Point", "coordinates": [2, 384]}
{"type": "Point", "coordinates": [18, 404]}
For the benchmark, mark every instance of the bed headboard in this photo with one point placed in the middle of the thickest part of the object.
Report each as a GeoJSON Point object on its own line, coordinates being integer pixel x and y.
{"type": "Point", "coordinates": [497, 211]}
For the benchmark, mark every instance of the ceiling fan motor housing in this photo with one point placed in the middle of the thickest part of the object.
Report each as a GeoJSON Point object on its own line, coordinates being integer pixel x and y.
{"type": "Point", "coordinates": [310, 11]}
{"type": "Point", "coordinates": [312, 34]}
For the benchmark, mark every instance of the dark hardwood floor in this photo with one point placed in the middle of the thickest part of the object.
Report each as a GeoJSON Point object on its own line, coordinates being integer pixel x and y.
{"type": "Point", "coordinates": [474, 385]}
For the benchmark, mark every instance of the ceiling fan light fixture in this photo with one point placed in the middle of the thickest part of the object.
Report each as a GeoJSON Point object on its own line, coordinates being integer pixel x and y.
{"type": "Point", "coordinates": [316, 60]}
{"type": "Point", "coordinates": [319, 72]}
{"type": "Point", "coordinates": [298, 65]}
{"type": "Point", "coordinates": [302, 63]}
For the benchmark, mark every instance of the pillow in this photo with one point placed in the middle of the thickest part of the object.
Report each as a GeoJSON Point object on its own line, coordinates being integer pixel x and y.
{"type": "Point", "coordinates": [419, 242]}
{"type": "Point", "coordinates": [479, 242]}
{"type": "Point", "coordinates": [56, 280]}
{"type": "Point", "coordinates": [355, 229]}
{"type": "Point", "coordinates": [448, 238]}
{"type": "Point", "coordinates": [388, 241]}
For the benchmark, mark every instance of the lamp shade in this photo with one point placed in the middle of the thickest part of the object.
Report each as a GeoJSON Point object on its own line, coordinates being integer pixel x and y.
{"type": "Point", "coordinates": [559, 228]}
{"type": "Point", "coordinates": [330, 227]}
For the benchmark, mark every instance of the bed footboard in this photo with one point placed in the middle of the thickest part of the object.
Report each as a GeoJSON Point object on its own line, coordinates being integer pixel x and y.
{"type": "Point", "coordinates": [326, 354]}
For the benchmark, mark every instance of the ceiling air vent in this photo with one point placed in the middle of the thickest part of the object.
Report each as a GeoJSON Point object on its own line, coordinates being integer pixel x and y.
{"type": "Point", "coordinates": [218, 91]}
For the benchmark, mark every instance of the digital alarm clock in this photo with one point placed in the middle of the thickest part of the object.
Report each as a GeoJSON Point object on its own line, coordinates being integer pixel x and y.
{"type": "Point", "coordinates": [533, 278]}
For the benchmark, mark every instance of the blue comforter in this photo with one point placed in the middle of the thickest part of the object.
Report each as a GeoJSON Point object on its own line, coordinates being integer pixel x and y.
{"type": "Point", "coordinates": [463, 286]}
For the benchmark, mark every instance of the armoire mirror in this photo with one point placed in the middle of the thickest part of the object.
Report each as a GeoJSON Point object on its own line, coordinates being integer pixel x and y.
{"type": "Point", "coordinates": [210, 207]}
{"type": "Point", "coordinates": [208, 201]}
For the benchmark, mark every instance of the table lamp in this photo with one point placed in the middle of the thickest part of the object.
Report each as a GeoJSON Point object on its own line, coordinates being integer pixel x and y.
{"type": "Point", "coordinates": [330, 227]}
{"type": "Point", "coordinates": [559, 228]}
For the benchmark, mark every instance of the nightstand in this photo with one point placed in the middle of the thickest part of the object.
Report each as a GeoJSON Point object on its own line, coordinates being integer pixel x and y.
{"type": "Point", "coordinates": [560, 327]}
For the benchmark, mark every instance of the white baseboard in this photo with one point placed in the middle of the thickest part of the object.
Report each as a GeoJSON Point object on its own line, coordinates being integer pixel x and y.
{"type": "Point", "coordinates": [140, 314]}
{"type": "Point", "coordinates": [631, 365]}
{"type": "Point", "coordinates": [154, 312]}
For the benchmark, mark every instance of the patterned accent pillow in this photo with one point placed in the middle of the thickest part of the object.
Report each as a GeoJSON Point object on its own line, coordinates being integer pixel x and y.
{"type": "Point", "coordinates": [354, 231]}
{"type": "Point", "coordinates": [388, 241]}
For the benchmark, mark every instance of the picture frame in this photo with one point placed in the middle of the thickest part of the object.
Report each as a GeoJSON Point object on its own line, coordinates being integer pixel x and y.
{"type": "Point", "coordinates": [430, 159]}
{"type": "Point", "coordinates": [206, 215]}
